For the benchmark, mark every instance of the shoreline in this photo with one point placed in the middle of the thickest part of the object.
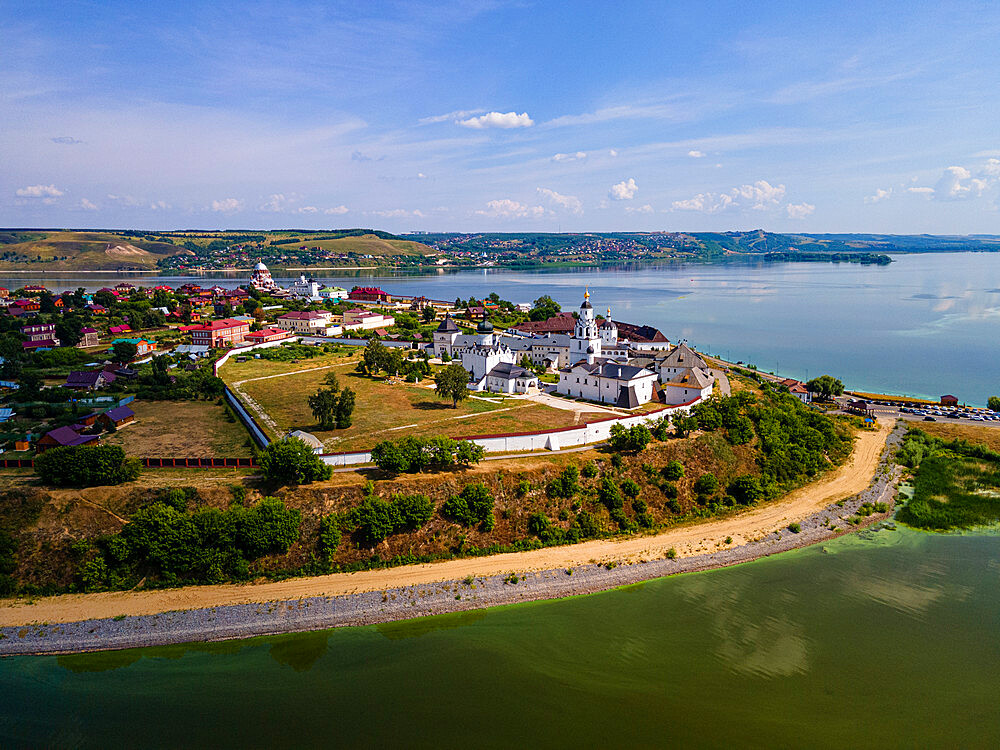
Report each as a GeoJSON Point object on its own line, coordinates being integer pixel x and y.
{"type": "Point", "coordinates": [410, 594]}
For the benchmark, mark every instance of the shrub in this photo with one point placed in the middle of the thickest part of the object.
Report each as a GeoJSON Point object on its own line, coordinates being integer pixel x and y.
{"type": "Point", "coordinates": [705, 486]}
{"type": "Point", "coordinates": [616, 460]}
{"type": "Point", "coordinates": [629, 439]}
{"type": "Point", "coordinates": [473, 505]}
{"type": "Point", "coordinates": [566, 484]}
{"type": "Point", "coordinates": [794, 528]}
{"type": "Point", "coordinates": [523, 488]}
{"type": "Point", "coordinates": [86, 466]}
{"type": "Point", "coordinates": [610, 495]}
{"type": "Point", "coordinates": [414, 510]}
{"type": "Point", "coordinates": [630, 488]}
{"type": "Point", "coordinates": [539, 525]}
{"type": "Point", "coordinates": [292, 460]}
{"type": "Point", "coordinates": [412, 454]}
{"type": "Point", "coordinates": [589, 471]}
{"type": "Point", "coordinates": [376, 519]}
{"type": "Point", "coordinates": [746, 490]}
{"type": "Point", "coordinates": [671, 554]}
{"type": "Point", "coordinates": [669, 490]}
{"type": "Point", "coordinates": [329, 537]}
{"type": "Point", "coordinates": [673, 471]}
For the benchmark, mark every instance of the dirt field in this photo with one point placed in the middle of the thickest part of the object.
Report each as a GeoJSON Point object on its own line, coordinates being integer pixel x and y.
{"type": "Point", "coordinates": [382, 411]}
{"type": "Point", "coordinates": [181, 428]}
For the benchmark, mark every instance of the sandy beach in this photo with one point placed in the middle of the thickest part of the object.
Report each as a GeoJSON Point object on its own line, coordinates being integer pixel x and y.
{"type": "Point", "coordinates": [596, 565]}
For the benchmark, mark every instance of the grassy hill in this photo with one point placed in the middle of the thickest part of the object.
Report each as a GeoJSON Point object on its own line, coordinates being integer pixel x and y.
{"type": "Point", "coordinates": [366, 244]}
{"type": "Point", "coordinates": [48, 250]}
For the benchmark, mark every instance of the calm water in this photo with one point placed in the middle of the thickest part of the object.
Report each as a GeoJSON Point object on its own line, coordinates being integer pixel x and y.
{"type": "Point", "coordinates": [886, 641]}
{"type": "Point", "coordinates": [923, 326]}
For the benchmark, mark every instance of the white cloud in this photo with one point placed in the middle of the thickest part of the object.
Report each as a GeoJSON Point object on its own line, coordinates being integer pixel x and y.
{"type": "Point", "coordinates": [570, 157]}
{"type": "Point", "coordinates": [957, 183]}
{"type": "Point", "coordinates": [928, 191]}
{"type": "Point", "coordinates": [696, 154]}
{"type": "Point", "coordinates": [612, 153]}
{"type": "Point", "coordinates": [421, 176]}
{"type": "Point", "coordinates": [39, 191]}
{"type": "Point", "coordinates": [505, 208]}
{"type": "Point", "coordinates": [396, 213]}
{"type": "Point", "coordinates": [306, 210]}
{"type": "Point", "coordinates": [87, 205]}
{"type": "Point", "coordinates": [458, 114]}
{"type": "Point", "coordinates": [799, 210]}
{"type": "Point", "coordinates": [159, 205]}
{"type": "Point", "coordinates": [880, 195]}
{"type": "Point", "coordinates": [647, 209]}
{"type": "Point", "coordinates": [504, 120]}
{"type": "Point", "coordinates": [760, 196]}
{"type": "Point", "coordinates": [992, 168]}
{"type": "Point", "coordinates": [337, 210]}
{"type": "Point", "coordinates": [227, 205]}
{"type": "Point", "coordinates": [570, 202]}
{"type": "Point", "coordinates": [277, 202]}
{"type": "Point", "coordinates": [624, 190]}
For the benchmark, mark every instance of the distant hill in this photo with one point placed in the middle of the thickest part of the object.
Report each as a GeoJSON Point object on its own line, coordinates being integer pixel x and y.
{"type": "Point", "coordinates": [56, 250]}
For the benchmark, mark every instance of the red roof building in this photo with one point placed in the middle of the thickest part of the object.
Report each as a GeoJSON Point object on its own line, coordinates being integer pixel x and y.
{"type": "Point", "coordinates": [267, 334]}
{"type": "Point", "coordinates": [369, 294]}
{"type": "Point", "coordinates": [216, 333]}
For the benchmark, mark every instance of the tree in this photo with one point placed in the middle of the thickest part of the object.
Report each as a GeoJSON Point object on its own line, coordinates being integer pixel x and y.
{"type": "Point", "coordinates": [452, 382]}
{"type": "Point", "coordinates": [746, 489]}
{"type": "Point", "coordinates": [994, 403]}
{"type": "Point", "coordinates": [331, 380]}
{"type": "Point", "coordinates": [105, 299]}
{"type": "Point", "coordinates": [345, 409]}
{"type": "Point", "coordinates": [684, 424]}
{"type": "Point", "coordinates": [323, 404]}
{"type": "Point", "coordinates": [474, 504]}
{"type": "Point", "coordinates": [292, 460]}
{"type": "Point", "coordinates": [705, 486]}
{"type": "Point", "coordinates": [124, 352]}
{"type": "Point", "coordinates": [629, 439]}
{"type": "Point", "coordinates": [375, 357]}
{"type": "Point", "coordinates": [825, 386]}
{"type": "Point", "coordinates": [544, 308]}
{"type": "Point", "coordinates": [428, 314]}
{"type": "Point", "coordinates": [161, 372]}
{"type": "Point", "coordinates": [673, 471]}
{"type": "Point", "coordinates": [86, 466]}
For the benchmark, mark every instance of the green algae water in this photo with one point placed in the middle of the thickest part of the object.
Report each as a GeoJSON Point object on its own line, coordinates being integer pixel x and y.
{"type": "Point", "coordinates": [884, 639]}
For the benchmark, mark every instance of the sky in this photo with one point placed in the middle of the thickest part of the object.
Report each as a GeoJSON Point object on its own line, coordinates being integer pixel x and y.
{"type": "Point", "coordinates": [502, 116]}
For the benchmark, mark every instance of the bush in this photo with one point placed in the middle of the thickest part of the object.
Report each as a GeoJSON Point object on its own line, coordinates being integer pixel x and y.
{"type": "Point", "coordinates": [414, 510]}
{"type": "Point", "coordinates": [412, 454]}
{"type": "Point", "coordinates": [473, 505]}
{"type": "Point", "coordinates": [589, 470]}
{"type": "Point", "coordinates": [673, 471]}
{"type": "Point", "coordinates": [86, 466]}
{"type": "Point", "coordinates": [746, 490]}
{"type": "Point", "coordinates": [292, 460]}
{"type": "Point", "coordinates": [705, 486]}
{"type": "Point", "coordinates": [629, 439]}
{"type": "Point", "coordinates": [329, 538]}
{"type": "Point", "coordinates": [539, 525]}
{"type": "Point", "coordinates": [630, 488]}
{"type": "Point", "coordinates": [610, 495]}
{"type": "Point", "coordinates": [376, 519]}
{"type": "Point", "coordinates": [566, 484]}
{"type": "Point", "coordinates": [669, 490]}
{"type": "Point", "coordinates": [794, 528]}
{"type": "Point", "coordinates": [523, 488]}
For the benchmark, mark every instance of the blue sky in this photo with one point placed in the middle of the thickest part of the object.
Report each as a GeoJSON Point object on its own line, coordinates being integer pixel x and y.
{"type": "Point", "coordinates": [502, 116]}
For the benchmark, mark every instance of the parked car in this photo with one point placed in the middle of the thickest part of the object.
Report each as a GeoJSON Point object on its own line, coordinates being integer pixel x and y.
{"type": "Point", "coordinates": [929, 418]}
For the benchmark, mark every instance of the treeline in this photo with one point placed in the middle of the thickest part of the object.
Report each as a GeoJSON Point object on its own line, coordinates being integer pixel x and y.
{"type": "Point", "coordinates": [306, 237]}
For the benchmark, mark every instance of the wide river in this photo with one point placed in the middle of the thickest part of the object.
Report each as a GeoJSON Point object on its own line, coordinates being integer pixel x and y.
{"type": "Point", "coordinates": [885, 639]}
{"type": "Point", "coordinates": [924, 325]}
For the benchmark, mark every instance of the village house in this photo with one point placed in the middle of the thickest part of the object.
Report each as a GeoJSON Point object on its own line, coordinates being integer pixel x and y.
{"type": "Point", "coordinates": [219, 333]}
{"type": "Point", "coordinates": [363, 320]}
{"type": "Point", "coordinates": [335, 293]}
{"type": "Point", "coordinates": [797, 389]}
{"type": "Point", "coordinates": [308, 322]}
{"type": "Point", "coordinates": [39, 335]}
{"type": "Point", "coordinates": [116, 417]}
{"type": "Point", "coordinates": [23, 307]}
{"type": "Point", "coordinates": [142, 346]}
{"type": "Point", "coordinates": [266, 335]}
{"type": "Point", "coordinates": [89, 380]}
{"type": "Point", "coordinates": [62, 437]}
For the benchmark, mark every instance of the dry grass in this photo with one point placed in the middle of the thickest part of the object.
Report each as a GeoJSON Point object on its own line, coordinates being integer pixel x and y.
{"type": "Point", "coordinates": [988, 436]}
{"type": "Point", "coordinates": [385, 411]}
{"type": "Point", "coordinates": [181, 428]}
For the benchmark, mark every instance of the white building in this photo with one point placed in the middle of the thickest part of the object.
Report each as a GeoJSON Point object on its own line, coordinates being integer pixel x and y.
{"type": "Point", "coordinates": [509, 378]}
{"type": "Point", "coordinates": [335, 293]}
{"type": "Point", "coordinates": [363, 320]}
{"type": "Point", "coordinates": [681, 359]}
{"type": "Point", "coordinates": [308, 322]}
{"type": "Point", "coordinates": [608, 382]}
{"type": "Point", "coordinates": [305, 288]}
{"type": "Point", "coordinates": [690, 385]}
{"type": "Point", "coordinates": [479, 360]}
{"type": "Point", "coordinates": [449, 339]}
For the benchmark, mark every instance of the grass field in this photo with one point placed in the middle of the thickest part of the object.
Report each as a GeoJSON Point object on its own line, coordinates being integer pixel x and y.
{"type": "Point", "coordinates": [92, 251]}
{"type": "Point", "coordinates": [367, 244]}
{"type": "Point", "coordinates": [382, 411]}
{"type": "Point", "coordinates": [988, 436]}
{"type": "Point", "coordinates": [181, 429]}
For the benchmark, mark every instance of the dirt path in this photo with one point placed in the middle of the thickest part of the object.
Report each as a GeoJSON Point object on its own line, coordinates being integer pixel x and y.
{"type": "Point", "coordinates": [849, 479]}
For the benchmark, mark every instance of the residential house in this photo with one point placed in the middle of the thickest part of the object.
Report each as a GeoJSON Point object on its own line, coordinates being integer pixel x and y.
{"type": "Point", "coordinates": [23, 307]}
{"type": "Point", "coordinates": [363, 320]}
{"type": "Point", "coordinates": [119, 330]}
{"type": "Point", "coordinates": [335, 293]}
{"type": "Point", "coordinates": [62, 437]}
{"type": "Point", "coordinates": [798, 389]}
{"type": "Point", "coordinates": [949, 400]}
{"type": "Point", "coordinates": [142, 346]}
{"type": "Point", "coordinates": [89, 380]}
{"type": "Point", "coordinates": [116, 417]}
{"type": "Point", "coordinates": [218, 333]}
{"type": "Point", "coordinates": [265, 335]}
{"type": "Point", "coordinates": [96, 309]}
{"type": "Point", "coordinates": [39, 335]}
